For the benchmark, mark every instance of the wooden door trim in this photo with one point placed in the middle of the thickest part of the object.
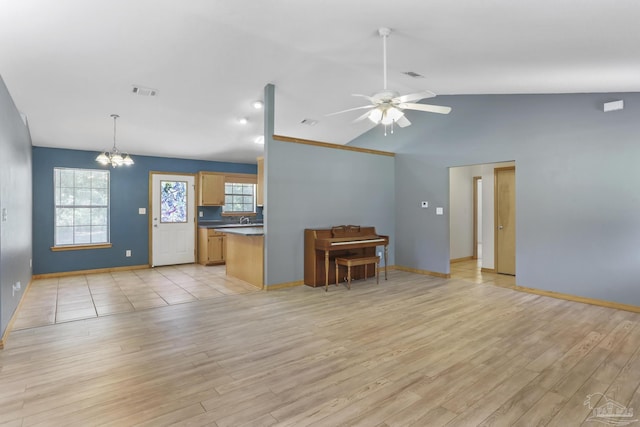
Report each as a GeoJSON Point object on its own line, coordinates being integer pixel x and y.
{"type": "Point", "coordinates": [475, 215]}
{"type": "Point", "coordinates": [495, 211]}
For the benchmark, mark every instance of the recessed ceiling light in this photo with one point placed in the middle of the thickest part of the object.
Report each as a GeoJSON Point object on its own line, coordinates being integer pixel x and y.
{"type": "Point", "coordinates": [243, 120]}
{"type": "Point", "coordinates": [258, 105]}
{"type": "Point", "coordinates": [259, 139]}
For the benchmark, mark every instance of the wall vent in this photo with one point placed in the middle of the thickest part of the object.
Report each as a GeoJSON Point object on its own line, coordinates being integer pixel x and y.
{"type": "Point", "coordinates": [413, 74]}
{"type": "Point", "coordinates": [144, 91]}
{"type": "Point", "coordinates": [613, 106]}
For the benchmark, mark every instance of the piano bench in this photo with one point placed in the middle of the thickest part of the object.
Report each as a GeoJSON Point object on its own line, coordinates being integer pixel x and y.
{"type": "Point", "coordinates": [352, 261]}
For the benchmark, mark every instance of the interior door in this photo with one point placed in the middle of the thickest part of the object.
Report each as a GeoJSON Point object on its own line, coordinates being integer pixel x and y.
{"type": "Point", "coordinates": [505, 216]}
{"type": "Point", "coordinates": [173, 212]}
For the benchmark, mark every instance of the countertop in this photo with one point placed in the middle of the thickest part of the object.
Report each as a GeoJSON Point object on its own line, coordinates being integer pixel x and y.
{"type": "Point", "coordinates": [220, 224]}
{"type": "Point", "coordinates": [243, 231]}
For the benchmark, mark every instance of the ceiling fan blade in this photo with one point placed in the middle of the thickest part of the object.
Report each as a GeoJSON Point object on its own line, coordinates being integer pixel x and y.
{"type": "Point", "coordinates": [403, 122]}
{"type": "Point", "coordinates": [414, 96]}
{"type": "Point", "coordinates": [363, 96]}
{"type": "Point", "coordinates": [362, 117]}
{"type": "Point", "coordinates": [426, 107]}
{"type": "Point", "coordinates": [351, 109]}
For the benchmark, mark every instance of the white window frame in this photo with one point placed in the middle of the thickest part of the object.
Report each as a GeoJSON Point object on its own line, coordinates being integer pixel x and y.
{"type": "Point", "coordinates": [60, 204]}
{"type": "Point", "coordinates": [228, 210]}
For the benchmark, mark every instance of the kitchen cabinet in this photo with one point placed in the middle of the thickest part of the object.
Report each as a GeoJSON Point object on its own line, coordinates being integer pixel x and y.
{"type": "Point", "coordinates": [210, 189]}
{"type": "Point", "coordinates": [260, 186]}
{"type": "Point", "coordinates": [211, 246]}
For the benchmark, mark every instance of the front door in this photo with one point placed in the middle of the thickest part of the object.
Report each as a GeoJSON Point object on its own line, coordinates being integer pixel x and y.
{"type": "Point", "coordinates": [505, 216]}
{"type": "Point", "coordinates": [172, 219]}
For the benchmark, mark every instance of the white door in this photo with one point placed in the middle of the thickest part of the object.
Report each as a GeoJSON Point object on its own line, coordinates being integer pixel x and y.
{"type": "Point", "coordinates": [173, 213]}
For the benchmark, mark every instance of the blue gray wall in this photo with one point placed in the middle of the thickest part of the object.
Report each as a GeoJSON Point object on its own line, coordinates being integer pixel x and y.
{"type": "Point", "coordinates": [15, 197]}
{"type": "Point", "coordinates": [316, 187]}
{"type": "Point", "coordinates": [577, 202]}
{"type": "Point", "coordinates": [129, 191]}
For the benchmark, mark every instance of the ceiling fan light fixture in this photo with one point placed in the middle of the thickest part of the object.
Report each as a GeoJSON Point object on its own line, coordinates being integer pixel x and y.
{"type": "Point", "coordinates": [391, 115]}
{"type": "Point", "coordinates": [258, 105]}
{"type": "Point", "coordinates": [375, 115]}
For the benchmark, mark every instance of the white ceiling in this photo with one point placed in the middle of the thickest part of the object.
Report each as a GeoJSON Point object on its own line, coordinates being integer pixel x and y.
{"type": "Point", "coordinates": [69, 64]}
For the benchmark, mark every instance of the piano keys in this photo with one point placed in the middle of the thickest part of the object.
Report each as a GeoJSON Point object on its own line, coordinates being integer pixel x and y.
{"type": "Point", "coordinates": [323, 245]}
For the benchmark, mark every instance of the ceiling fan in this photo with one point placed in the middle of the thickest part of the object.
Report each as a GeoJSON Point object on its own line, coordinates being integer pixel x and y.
{"type": "Point", "coordinates": [387, 105]}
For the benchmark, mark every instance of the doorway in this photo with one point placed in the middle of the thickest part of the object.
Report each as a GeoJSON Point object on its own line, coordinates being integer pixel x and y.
{"type": "Point", "coordinates": [172, 224]}
{"type": "Point", "coordinates": [505, 220]}
{"type": "Point", "coordinates": [472, 215]}
{"type": "Point", "coordinates": [477, 217]}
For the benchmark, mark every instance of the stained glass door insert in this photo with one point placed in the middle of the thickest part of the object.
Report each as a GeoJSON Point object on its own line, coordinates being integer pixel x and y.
{"type": "Point", "coordinates": [173, 201]}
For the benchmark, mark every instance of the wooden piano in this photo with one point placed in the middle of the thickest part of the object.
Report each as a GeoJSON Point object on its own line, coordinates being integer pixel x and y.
{"type": "Point", "coordinates": [323, 245]}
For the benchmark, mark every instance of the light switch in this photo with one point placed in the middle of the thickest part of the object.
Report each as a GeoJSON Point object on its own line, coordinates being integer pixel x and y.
{"type": "Point", "coordinates": [439, 211]}
{"type": "Point", "coordinates": [425, 204]}
{"type": "Point", "coordinates": [142, 211]}
{"type": "Point", "coordinates": [200, 214]}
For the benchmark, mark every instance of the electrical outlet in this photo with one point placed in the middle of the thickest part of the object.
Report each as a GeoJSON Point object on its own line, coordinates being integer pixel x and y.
{"type": "Point", "coordinates": [15, 288]}
{"type": "Point", "coordinates": [142, 211]}
{"type": "Point", "coordinates": [200, 214]}
{"type": "Point", "coordinates": [128, 253]}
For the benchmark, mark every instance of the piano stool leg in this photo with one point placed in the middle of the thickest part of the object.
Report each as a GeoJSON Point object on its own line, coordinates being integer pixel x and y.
{"type": "Point", "coordinates": [378, 272]}
{"type": "Point", "coordinates": [326, 271]}
{"type": "Point", "coordinates": [349, 277]}
{"type": "Point", "coordinates": [336, 274]}
{"type": "Point", "coordinates": [365, 272]}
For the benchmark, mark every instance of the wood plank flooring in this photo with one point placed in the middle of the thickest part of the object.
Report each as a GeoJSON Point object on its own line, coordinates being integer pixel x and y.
{"type": "Point", "coordinates": [411, 351]}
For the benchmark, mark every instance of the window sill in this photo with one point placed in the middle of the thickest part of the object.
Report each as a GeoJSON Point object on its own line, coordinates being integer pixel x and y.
{"type": "Point", "coordinates": [80, 247]}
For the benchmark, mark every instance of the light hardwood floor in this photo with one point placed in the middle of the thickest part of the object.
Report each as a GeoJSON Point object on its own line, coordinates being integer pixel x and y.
{"type": "Point", "coordinates": [413, 350]}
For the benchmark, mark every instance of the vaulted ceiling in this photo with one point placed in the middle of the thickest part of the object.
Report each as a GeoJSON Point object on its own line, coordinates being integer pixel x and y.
{"type": "Point", "coordinates": [69, 64]}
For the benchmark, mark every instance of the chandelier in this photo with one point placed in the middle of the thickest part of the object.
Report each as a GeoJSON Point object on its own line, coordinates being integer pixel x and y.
{"type": "Point", "coordinates": [114, 157]}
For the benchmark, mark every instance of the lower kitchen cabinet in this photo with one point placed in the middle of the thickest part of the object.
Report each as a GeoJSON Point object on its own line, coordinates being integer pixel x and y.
{"type": "Point", "coordinates": [211, 246]}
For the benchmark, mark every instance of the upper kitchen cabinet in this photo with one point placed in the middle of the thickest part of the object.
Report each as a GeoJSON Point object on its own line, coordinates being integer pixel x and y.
{"type": "Point", "coordinates": [211, 189]}
{"type": "Point", "coordinates": [260, 186]}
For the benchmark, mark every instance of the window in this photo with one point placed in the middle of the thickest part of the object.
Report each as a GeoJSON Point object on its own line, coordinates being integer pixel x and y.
{"type": "Point", "coordinates": [81, 206]}
{"type": "Point", "coordinates": [239, 198]}
{"type": "Point", "coordinates": [173, 201]}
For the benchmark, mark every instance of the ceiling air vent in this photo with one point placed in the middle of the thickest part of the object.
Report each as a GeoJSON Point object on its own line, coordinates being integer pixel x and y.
{"type": "Point", "coordinates": [413, 74]}
{"type": "Point", "coordinates": [144, 91]}
{"type": "Point", "coordinates": [309, 122]}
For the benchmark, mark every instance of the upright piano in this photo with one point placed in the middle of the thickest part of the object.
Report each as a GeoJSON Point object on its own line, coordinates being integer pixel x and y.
{"type": "Point", "coordinates": [323, 245]}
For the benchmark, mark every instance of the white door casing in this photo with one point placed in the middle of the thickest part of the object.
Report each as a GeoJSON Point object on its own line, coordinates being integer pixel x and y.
{"type": "Point", "coordinates": [172, 234]}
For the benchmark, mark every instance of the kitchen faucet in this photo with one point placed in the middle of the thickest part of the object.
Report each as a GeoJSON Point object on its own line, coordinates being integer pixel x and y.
{"type": "Point", "coordinates": [244, 220]}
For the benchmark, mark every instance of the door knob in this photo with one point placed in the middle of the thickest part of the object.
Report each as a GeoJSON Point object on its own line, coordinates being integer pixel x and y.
{"type": "Point", "coordinates": [500, 227]}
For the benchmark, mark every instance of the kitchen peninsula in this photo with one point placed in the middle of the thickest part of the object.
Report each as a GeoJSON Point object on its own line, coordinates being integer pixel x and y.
{"type": "Point", "coordinates": [245, 253]}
